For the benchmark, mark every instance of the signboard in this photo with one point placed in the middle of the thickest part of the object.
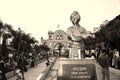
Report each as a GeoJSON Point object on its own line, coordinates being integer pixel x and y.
{"type": "Point", "coordinates": [77, 70]}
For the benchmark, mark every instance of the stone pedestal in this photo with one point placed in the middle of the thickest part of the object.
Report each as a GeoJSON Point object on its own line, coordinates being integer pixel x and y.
{"type": "Point", "coordinates": [76, 69]}
{"type": "Point", "coordinates": [75, 51]}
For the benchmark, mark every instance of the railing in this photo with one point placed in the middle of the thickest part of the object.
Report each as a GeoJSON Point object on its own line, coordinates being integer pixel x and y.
{"type": "Point", "coordinates": [46, 71]}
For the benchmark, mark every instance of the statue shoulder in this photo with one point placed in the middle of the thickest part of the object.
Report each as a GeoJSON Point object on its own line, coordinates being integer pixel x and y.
{"type": "Point", "coordinates": [83, 29]}
{"type": "Point", "coordinates": [70, 28]}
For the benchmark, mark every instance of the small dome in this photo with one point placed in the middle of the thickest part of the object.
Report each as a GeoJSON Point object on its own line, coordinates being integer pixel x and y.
{"type": "Point", "coordinates": [50, 32]}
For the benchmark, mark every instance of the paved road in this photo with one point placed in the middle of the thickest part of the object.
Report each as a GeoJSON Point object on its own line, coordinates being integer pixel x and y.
{"type": "Point", "coordinates": [34, 73]}
{"type": "Point", "coordinates": [114, 74]}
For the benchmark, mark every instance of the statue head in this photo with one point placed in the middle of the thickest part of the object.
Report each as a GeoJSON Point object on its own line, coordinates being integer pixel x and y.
{"type": "Point", "coordinates": [75, 17]}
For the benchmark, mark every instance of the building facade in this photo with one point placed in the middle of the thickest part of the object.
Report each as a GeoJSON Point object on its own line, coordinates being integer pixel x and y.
{"type": "Point", "coordinates": [57, 42]}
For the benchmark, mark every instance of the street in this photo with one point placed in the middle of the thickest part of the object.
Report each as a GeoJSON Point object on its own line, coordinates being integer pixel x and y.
{"type": "Point", "coordinates": [36, 73]}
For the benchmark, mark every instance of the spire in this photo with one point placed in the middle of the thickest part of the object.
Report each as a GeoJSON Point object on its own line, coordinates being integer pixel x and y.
{"type": "Point", "coordinates": [58, 27]}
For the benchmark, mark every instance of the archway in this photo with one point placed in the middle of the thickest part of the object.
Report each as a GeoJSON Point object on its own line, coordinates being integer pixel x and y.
{"type": "Point", "coordinates": [59, 49]}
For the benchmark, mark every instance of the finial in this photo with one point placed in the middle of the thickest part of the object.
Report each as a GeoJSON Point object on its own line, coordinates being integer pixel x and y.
{"type": "Point", "coordinates": [58, 26]}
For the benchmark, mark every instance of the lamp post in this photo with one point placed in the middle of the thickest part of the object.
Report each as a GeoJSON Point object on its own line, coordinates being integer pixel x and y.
{"type": "Point", "coordinates": [39, 55]}
{"type": "Point", "coordinates": [30, 57]}
{"type": "Point", "coordinates": [19, 43]}
{"type": "Point", "coordinates": [30, 54]}
{"type": "Point", "coordinates": [10, 55]}
{"type": "Point", "coordinates": [22, 64]}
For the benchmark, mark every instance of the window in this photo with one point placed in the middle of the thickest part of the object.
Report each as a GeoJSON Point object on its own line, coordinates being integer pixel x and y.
{"type": "Point", "coordinates": [61, 37]}
{"type": "Point", "coordinates": [57, 37]}
{"type": "Point", "coordinates": [50, 37]}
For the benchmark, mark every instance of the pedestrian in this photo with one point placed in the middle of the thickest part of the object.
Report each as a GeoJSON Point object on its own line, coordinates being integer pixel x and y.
{"type": "Point", "coordinates": [48, 62]}
{"type": "Point", "coordinates": [3, 66]}
{"type": "Point", "coordinates": [110, 57]}
{"type": "Point", "coordinates": [104, 63]}
{"type": "Point", "coordinates": [21, 64]}
{"type": "Point", "coordinates": [33, 61]}
{"type": "Point", "coordinates": [19, 75]}
{"type": "Point", "coordinates": [115, 58]}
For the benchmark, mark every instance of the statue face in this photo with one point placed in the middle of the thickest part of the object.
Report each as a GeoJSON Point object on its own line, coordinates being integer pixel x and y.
{"type": "Point", "coordinates": [75, 17]}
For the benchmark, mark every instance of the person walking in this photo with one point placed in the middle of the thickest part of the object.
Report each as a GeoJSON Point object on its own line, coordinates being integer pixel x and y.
{"type": "Point", "coordinates": [104, 63]}
{"type": "Point", "coordinates": [19, 75]}
{"type": "Point", "coordinates": [3, 70]}
{"type": "Point", "coordinates": [115, 58]}
{"type": "Point", "coordinates": [21, 64]}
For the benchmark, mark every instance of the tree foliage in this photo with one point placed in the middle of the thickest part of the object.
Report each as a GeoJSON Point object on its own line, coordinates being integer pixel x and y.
{"type": "Point", "coordinates": [113, 32]}
{"type": "Point", "coordinates": [21, 41]}
{"type": "Point", "coordinates": [110, 33]}
{"type": "Point", "coordinates": [89, 42]}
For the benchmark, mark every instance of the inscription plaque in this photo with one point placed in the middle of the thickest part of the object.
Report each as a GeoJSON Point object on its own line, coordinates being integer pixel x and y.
{"type": "Point", "coordinates": [77, 70]}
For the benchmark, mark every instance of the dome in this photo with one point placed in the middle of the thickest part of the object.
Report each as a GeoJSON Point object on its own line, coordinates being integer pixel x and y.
{"type": "Point", "coordinates": [50, 32]}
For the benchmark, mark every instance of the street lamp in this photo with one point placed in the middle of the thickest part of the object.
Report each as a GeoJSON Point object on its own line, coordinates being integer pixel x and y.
{"type": "Point", "coordinates": [30, 54]}
{"type": "Point", "coordinates": [39, 56]}
{"type": "Point", "coordinates": [10, 55]}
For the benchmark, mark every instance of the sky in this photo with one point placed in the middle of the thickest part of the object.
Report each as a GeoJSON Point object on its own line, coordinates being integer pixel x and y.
{"type": "Point", "coordinates": [39, 16]}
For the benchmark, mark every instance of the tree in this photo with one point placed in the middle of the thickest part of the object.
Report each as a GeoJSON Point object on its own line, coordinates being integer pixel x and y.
{"type": "Point", "coordinates": [112, 30]}
{"type": "Point", "coordinates": [89, 42]}
{"type": "Point", "coordinates": [1, 24]}
{"type": "Point", "coordinates": [44, 47]}
{"type": "Point", "coordinates": [5, 33]}
{"type": "Point", "coordinates": [110, 33]}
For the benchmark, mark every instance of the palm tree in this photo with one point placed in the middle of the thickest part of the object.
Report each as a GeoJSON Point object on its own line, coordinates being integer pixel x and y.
{"type": "Point", "coordinates": [17, 38]}
{"type": "Point", "coordinates": [5, 33]}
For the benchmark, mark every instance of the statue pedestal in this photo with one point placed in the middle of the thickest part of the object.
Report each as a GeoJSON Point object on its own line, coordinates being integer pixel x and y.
{"type": "Point", "coordinates": [75, 51]}
{"type": "Point", "coordinates": [77, 69]}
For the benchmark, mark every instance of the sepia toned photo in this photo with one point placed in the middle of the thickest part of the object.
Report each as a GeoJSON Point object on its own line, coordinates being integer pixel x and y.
{"type": "Point", "coordinates": [59, 39]}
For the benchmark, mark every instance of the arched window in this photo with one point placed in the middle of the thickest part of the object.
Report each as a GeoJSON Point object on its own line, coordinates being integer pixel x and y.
{"type": "Point", "coordinates": [61, 37]}
{"type": "Point", "coordinates": [57, 37]}
{"type": "Point", "coordinates": [50, 37]}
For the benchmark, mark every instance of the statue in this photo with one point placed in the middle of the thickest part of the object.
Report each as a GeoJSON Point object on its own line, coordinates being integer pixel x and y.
{"type": "Point", "coordinates": [75, 34]}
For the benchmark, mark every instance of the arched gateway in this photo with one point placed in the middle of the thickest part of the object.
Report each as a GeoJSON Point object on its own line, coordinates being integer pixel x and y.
{"type": "Point", "coordinates": [58, 42]}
